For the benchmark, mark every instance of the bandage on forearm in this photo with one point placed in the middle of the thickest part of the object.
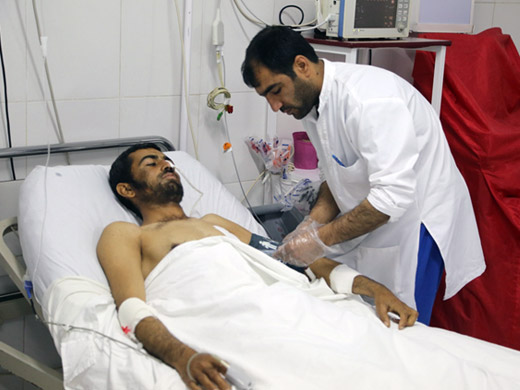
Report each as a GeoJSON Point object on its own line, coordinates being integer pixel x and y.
{"type": "Point", "coordinates": [342, 279]}
{"type": "Point", "coordinates": [131, 312]}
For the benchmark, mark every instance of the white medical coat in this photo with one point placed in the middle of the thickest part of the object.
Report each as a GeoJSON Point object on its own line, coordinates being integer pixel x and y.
{"type": "Point", "coordinates": [392, 151]}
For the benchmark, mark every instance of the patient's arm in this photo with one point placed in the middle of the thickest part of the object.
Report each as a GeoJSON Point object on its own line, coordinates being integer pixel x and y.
{"type": "Point", "coordinates": [119, 252]}
{"type": "Point", "coordinates": [241, 233]}
{"type": "Point", "coordinates": [204, 368]}
{"type": "Point", "coordinates": [385, 300]}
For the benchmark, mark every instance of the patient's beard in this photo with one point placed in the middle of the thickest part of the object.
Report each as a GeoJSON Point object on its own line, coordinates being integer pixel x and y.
{"type": "Point", "coordinates": [163, 193]}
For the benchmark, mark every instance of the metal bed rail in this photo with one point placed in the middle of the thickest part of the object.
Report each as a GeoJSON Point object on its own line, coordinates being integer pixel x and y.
{"type": "Point", "coordinates": [25, 151]}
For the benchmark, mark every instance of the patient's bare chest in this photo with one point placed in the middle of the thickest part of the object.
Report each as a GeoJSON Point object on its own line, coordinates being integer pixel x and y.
{"type": "Point", "coordinates": [158, 239]}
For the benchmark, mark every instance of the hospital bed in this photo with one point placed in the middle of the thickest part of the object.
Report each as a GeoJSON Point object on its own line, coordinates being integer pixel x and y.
{"type": "Point", "coordinates": [65, 209]}
{"type": "Point", "coordinates": [14, 299]}
{"type": "Point", "coordinates": [51, 195]}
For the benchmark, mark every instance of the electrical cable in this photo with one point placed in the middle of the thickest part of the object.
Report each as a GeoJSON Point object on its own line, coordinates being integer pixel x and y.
{"type": "Point", "coordinates": [256, 21]}
{"type": "Point", "coordinates": [7, 120]}
{"type": "Point", "coordinates": [239, 21]}
{"type": "Point", "coordinates": [201, 194]}
{"type": "Point", "coordinates": [291, 6]}
{"type": "Point", "coordinates": [259, 22]}
{"type": "Point", "coordinates": [313, 27]}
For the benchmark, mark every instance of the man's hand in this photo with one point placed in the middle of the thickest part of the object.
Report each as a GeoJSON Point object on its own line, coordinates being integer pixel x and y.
{"type": "Point", "coordinates": [302, 249]}
{"type": "Point", "coordinates": [202, 371]}
{"type": "Point", "coordinates": [386, 302]}
{"type": "Point", "coordinates": [304, 246]}
{"type": "Point", "coordinates": [307, 221]}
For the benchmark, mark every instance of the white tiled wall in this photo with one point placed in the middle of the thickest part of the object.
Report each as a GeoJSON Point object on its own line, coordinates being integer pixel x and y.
{"type": "Point", "coordinates": [116, 68]}
{"type": "Point", "coordinates": [498, 13]}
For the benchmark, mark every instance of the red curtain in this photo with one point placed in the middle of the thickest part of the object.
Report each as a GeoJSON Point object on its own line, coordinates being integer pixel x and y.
{"type": "Point", "coordinates": [480, 114]}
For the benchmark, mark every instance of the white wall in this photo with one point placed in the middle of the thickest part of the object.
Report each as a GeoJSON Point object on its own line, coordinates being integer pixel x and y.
{"type": "Point", "coordinates": [116, 71]}
{"type": "Point", "coordinates": [498, 13]}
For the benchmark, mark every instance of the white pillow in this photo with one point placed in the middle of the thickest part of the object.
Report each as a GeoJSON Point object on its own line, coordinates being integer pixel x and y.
{"type": "Point", "coordinates": [63, 211]}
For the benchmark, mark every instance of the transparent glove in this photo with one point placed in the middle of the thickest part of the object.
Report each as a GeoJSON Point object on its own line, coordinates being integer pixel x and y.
{"type": "Point", "coordinates": [307, 221]}
{"type": "Point", "coordinates": [305, 246]}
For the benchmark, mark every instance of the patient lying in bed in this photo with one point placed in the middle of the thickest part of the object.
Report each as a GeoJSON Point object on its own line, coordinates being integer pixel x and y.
{"type": "Point", "coordinates": [221, 296]}
{"type": "Point", "coordinates": [218, 295]}
{"type": "Point", "coordinates": [128, 253]}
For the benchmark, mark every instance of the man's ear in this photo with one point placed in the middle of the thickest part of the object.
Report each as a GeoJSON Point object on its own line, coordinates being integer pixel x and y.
{"type": "Point", "coordinates": [302, 66]}
{"type": "Point", "coordinates": [125, 190]}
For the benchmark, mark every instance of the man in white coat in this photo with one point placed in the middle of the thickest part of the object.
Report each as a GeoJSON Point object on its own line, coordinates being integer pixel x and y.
{"type": "Point", "coordinates": [393, 204]}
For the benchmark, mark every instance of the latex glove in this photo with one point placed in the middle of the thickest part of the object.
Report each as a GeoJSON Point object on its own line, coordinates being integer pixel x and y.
{"type": "Point", "coordinates": [304, 247]}
{"type": "Point", "coordinates": [307, 221]}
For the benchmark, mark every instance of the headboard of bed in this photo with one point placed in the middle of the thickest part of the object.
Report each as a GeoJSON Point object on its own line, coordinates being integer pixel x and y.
{"type": "Point", "coordinates": [69, 147]}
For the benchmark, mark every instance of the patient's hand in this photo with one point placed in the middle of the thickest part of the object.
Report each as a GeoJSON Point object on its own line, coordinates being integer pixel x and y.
{"type": "Point", "coordinates": [198, 370]}
{"type": "Point", "coordinates": [203, 371]}
{"type": "Point", "coordinates": [386, 302]}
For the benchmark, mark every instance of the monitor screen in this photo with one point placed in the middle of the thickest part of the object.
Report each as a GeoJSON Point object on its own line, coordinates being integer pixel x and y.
{"type": "Point", "coordinates": [375, 13]}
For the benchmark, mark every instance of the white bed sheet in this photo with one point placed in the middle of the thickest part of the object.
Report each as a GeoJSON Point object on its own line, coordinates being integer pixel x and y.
{"type": "Point", "coordinates": [222, 296]}
{"type": "Point", "coordinates": [63, 211]}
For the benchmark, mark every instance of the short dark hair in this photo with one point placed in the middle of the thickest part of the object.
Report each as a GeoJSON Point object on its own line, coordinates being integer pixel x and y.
{"type": "Point", "coordinates": [275, 47]}
{"type": "Point", "coordinates": [121, 172]}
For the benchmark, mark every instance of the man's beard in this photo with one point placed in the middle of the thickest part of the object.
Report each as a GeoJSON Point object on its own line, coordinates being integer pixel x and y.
{"type": "Point", "coordinates": [162, 193]}
{"type": "Point", "coordinates": [306, 96]}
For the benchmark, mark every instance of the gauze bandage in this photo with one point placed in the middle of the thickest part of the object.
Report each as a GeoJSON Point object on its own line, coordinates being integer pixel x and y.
{"type": "Point", "coordinates": [342, 279]}
{"type": "Point", "coordinates": [131, 312]}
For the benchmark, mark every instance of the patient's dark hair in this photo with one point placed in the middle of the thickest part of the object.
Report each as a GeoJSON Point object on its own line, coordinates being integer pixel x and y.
{"type": "Point", "coordinates": [275, 47]}
{"type": "Point", "coordinates": [120, 172]}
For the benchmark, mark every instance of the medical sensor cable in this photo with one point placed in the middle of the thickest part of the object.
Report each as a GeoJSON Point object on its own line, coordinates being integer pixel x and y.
{"type": "Point", "coordinates": [7, 121]}
{"type": "Point", "coordinates": [234, 375]}
{"type": "Point", "coordinates": [201, 194]}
